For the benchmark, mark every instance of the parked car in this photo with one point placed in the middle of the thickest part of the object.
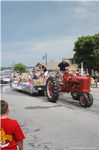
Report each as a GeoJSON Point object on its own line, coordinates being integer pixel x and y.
{"type": "Point", "coordinates": [5, 76]}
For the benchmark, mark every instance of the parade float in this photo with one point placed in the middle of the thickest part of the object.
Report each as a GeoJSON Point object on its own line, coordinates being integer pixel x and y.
{"type": "Point", "coordinates": [31, 83]}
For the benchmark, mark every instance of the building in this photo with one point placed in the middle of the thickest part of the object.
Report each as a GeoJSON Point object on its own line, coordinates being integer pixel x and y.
{"type": "Point", "coordinates": [52, 65]}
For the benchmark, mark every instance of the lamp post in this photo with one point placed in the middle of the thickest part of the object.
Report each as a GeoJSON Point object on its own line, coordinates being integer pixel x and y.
{"type": "Point", "coordinates": [45, 57]}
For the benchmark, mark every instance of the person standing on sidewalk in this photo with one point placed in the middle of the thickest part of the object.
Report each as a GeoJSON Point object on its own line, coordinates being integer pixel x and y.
{"type": "Point", "coordinates": [11, 135]}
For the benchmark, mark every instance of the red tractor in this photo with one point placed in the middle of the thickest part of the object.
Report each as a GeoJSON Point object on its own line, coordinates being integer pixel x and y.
{"type": "Point", "coordinates": [78, 86]}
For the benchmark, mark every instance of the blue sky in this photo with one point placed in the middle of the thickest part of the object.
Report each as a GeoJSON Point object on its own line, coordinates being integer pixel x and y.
{"type": "Point", "coordinates": [31, 29]}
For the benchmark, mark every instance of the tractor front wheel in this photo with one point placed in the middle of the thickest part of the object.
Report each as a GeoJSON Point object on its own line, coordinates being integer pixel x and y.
{"type": "Point", "coordinates": [52, 89]}
{"type": "Point", "coordinates": [90, 100]}
{"type": "Point", "coordinates": [83, 99]}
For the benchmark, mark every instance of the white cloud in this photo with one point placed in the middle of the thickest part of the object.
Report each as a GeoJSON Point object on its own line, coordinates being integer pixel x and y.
{"type": "Point", "coordinates": [88, 9]}
{"type": "Point", "coordinates": [33, 52]}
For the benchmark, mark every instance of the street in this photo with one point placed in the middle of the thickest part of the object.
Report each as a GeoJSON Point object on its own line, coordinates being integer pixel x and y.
{"type": "Point", "coordinates": [64, 125]}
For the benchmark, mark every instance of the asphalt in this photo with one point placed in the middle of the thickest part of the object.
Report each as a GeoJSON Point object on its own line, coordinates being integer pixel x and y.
{"type": "Point", "coordinates": [64, 125]}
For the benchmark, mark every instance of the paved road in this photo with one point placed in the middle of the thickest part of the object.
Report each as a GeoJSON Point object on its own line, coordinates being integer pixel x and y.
{"type": "Point", "coordinates": [55, 126]}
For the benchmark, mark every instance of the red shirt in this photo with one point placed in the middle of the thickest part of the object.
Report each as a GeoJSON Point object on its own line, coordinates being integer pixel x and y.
{"type": "Point", "coordinates": [10, 134]}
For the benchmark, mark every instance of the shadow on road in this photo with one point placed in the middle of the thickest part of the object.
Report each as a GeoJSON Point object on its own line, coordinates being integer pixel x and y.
{"type": "Point", "coordinates": [41, 107]}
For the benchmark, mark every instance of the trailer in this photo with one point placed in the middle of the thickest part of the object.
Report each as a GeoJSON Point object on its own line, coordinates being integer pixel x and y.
{"type": "Point", "coordinates": [32, 87]}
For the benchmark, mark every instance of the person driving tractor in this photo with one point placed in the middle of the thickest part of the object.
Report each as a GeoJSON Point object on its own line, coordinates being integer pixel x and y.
{"type": "Point", "coordinates": [64, 66]}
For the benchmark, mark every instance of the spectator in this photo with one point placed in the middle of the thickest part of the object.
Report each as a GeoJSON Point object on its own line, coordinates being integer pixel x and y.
{"type": "Point", "coordinates": [11, 135]}
{"type": "Point", "coordinates": [96, 76]}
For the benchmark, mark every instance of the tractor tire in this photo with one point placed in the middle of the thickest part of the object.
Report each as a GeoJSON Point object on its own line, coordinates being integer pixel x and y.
{"type": "Point", "coordinates": [90, 100]}
{"type": "Point", "coordinates": [75, 96]}
{"type": "Point", "coordinates": [83, 100]}
{"type": "Point", "coordinates": [52, 89]}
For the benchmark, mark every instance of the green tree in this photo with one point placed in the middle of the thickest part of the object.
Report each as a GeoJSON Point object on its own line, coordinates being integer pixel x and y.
{"type": "Point", "coordinates": [95, 56]}
{"type": "Point", "coordinates": [20, 67]}
{"type": "Point", "coordinates": [87, 51]}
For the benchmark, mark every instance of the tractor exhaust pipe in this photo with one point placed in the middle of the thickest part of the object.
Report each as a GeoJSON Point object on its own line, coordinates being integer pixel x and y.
{"type": "Point", "coordinates": [82, 70]}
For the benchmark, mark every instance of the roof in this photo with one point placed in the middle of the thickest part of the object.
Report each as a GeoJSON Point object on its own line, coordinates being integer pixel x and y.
{"type": "Point", "coordinates": [52, 65]}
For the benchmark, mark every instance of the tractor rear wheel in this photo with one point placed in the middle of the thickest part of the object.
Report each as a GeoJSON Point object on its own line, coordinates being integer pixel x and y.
{"type": "Point", "coordinates": [90, 100]}
{"type": "Point", "coordinates": [75, 96]}
{"type": "Point", "coordinates": [83, 99]}
{"type": "Point", "coordinates": [52, 89]}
